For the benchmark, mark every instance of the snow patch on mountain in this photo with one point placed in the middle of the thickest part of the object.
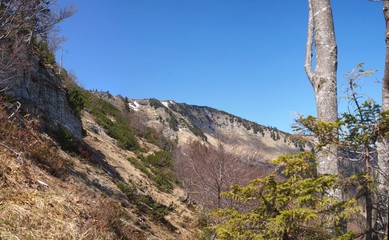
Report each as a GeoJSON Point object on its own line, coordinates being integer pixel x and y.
{"type": "Point", "coordinates": [166, 104]}
{"type": "Point", "coordinates": [135, 105]}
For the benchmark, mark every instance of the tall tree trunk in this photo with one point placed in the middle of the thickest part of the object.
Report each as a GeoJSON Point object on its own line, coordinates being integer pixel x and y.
{"type": "Point", "coordinates": [385, 80]}
{"type": "Point", "coordinates": [383, 146]}
{"type": "Point", "coordinates": [321, 37]}
{"type": "Point", "coordinates": [383, 153]}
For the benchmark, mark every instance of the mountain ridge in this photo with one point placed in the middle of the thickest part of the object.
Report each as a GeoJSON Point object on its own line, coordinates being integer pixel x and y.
{"type": "Point", "coordinates": [182, 122]}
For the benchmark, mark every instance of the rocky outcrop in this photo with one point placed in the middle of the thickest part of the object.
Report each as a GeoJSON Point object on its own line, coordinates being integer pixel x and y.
{"type": "Point", "coordinates": [41, 89]}
{"type": "Point", "coordinates": [182, 122]}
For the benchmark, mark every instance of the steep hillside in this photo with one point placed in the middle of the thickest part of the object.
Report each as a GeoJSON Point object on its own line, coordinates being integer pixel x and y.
{"type": "Point", "coordinates": [113, 176]}
{"type": "Point", "coordinates": [76, 164]}
{"type": "Point", "coordinates": [71, 167]}
{"type": "Point", "coordinates": [83, 190]}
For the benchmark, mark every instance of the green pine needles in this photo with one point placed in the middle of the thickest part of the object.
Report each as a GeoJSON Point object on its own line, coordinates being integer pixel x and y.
{"type": "Point", "coordinates": [295, 205]}
{"type": "Point", "coordinates": [295, 202]}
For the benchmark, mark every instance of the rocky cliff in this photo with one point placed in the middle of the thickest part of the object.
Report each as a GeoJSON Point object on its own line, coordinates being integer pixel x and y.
{"type": "Point", "coordinates": [42, 89]}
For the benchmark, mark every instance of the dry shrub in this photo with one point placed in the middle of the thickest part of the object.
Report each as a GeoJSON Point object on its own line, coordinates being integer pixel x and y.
{"type": "Point", "coordinates": [108, 216]}
{"type": "Point", "coordinates": [13, 173]}
{"type": "Point", "coordinates": [17, 131]}
{"type": "Point", "coordinates": [5, 172]}
{"type": "Point", "coordinates": [45, 155]}
{"type": "Point", "coordinates": [19, 136]}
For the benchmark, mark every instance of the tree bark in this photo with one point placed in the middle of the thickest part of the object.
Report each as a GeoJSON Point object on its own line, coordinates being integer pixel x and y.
{"type": "Point", "coordinates": [321, 37]}
{"type": "Point", "coordinates": [385, 79]}
{"type": "Point", "coordinates": [383, 145]}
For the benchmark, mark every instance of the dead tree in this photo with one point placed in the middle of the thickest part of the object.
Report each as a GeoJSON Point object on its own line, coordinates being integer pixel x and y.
{"type": "Point", "coordinates": [22, 24]}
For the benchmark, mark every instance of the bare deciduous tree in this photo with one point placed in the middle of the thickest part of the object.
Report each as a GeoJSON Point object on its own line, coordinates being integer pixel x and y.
{"type": "Point", "coordinates": [21, 23]}
{"type": "Point", "coordinates": [321, 38]}
{"type": "Point", "coordinates": [207, 171]}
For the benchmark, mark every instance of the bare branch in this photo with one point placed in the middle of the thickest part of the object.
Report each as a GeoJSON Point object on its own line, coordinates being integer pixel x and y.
{"type": "Point", "coordinates": [18, 105]}
{"type": "Point", "coordinates": [206, 171]}
{"type": "Point", "coordinates": [22, 24]}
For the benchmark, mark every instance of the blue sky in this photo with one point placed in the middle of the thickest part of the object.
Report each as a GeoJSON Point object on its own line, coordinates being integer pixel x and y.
{"type": "Point", "coordinates": [245, 57]}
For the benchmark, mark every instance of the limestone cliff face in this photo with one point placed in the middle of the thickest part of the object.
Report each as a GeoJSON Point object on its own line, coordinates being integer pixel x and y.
{"type": "Point", "coordinates": [181, 123]}
{"type": "Point", "coordinates": [42, 90]}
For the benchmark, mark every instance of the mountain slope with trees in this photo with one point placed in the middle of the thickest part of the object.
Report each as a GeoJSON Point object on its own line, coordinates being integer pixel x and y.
{"type": "Point", "coordinates": [182, 123]}
{"type": "Point", "coordinates": [81, 164]}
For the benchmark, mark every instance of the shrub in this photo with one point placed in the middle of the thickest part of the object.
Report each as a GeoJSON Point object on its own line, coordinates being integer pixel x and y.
{"type": "Point", "coordinates": [110, 216]}
{"type": "Point", "coordinates": [63, 75]}
{"type": "Point", "coordinates": [157, 138]}
{"type": "Point", "coordinates": [66, 140]}
{"type": "Point", "coordinates": [160, 159]}
{"type": "Point", "coordinates": [138, 123]}
{"type": "Point", "coordinates": [155, 103]}
{"type": "Point", "coordinates": [130, 191]}
{"type": "Point", "coordinates": [161, 165]}
{"type": "Point", "coordinates": [45, 155]}
{"type": "Point", "coordinates": [42, 47]}
{"type": "Point", "coordinates": [164, 180]}
{"type": "Point", "coordinates": [173, 123]}
{"type": "Point", "coordinates": [108, 116]}
{"type": "Point", "coordinates": [157, 210]}
{"type": "Point", "coordinates": [159, 168]}
{"type": "Point", "coordinates": [139, 165]}
{"type": "Point", "coordinates": [76, 99]}
{"type": "Point", "coordinates": [198, 132]}
{"type": "Point", "coordinates": [145, 203]}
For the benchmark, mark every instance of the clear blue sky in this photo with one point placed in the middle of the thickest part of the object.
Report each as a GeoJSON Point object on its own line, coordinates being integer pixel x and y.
{"type": "Point", "coordinates": [245, 57]}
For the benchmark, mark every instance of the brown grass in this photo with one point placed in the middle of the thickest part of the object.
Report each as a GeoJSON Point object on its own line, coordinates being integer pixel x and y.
{"type": "Point", "coordinates": [30, 214]}
{"type": "Point", "coordinates": [29, 210]}
{"type": "Point", "coordinates": [66, 206]}
{"type": "Point", "coordinates": [45, 155]}
{"type": "Point", "coordinates": [109, 216]}
{"type": "Point", "coordinates": [20, 138]}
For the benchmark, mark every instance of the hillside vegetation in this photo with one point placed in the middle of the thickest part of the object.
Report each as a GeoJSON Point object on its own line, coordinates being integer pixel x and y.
{"type": "Point", "coordinates": [61, 188]}
{"type": "Point", "coordinates": [120, 180]}
{"type": "Point", "coordinates": [80, 164]}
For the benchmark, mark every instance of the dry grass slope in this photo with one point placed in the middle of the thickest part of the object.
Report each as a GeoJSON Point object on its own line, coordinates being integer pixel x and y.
{"type": "Point", "coordinates": [47, 193]}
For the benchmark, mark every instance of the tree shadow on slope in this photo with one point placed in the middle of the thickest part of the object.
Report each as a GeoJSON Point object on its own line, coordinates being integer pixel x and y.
{"type": "Point", "coordinates": [96, 159]}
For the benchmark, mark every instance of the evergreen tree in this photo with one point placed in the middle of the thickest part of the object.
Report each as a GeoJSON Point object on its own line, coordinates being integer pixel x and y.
{"type": "Point", "coordinates": [300, 203]}
{"type": "Point", "coordinates": [296, 205]}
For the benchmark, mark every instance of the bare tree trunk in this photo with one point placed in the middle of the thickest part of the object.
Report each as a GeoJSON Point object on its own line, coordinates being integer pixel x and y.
{"type": "Point", "coordinates": [383, 155]}
{"type": "Point", "coordinates": [383, 146]}
{"type": "Point", "coordinates": [321, 37]}
{"type": "Point", "coordinates": [385, 79]}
